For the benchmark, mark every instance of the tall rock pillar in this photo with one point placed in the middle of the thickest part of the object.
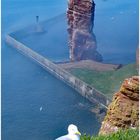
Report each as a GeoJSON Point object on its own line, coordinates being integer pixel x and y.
{"type": "Point", "coordinates": [82, 41]}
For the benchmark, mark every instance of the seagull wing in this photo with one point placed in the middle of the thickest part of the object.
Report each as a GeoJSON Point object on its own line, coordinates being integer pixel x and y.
{"type": "Point", "coordinates": [66, 137]}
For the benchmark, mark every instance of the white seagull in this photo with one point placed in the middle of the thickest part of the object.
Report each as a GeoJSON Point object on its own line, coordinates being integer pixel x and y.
{"type": "Point", "coordinates": [40, 108]}
{"type": "Point", "coordinates": [73, 133]}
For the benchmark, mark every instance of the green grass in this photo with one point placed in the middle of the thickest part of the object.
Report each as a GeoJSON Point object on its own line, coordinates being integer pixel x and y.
{"type": "Point", "coordinates": [107, 82]}
{"type": "Point", "coordinates": [129, 134]}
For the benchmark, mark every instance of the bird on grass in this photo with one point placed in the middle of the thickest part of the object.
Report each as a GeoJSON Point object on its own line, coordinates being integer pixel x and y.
{"type": "Point", "coordinates": [73, 133]}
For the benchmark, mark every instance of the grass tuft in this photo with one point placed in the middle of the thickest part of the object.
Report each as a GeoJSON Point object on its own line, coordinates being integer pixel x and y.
{"type": "Point", "coordinates": [129, 134]}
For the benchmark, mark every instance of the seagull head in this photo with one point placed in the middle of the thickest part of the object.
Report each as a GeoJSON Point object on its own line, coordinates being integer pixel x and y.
{"type": "Point", "coordinates": [73, 130]}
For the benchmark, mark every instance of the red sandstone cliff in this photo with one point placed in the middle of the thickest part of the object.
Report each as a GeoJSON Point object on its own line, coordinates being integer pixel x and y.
{"type": "Point", "coordinates": [82, 41]}
{"type": "Point", "coordinates": [123, 112]}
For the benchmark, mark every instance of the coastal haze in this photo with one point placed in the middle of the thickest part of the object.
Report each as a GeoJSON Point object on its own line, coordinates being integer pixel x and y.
{"type": "Point", "coordinates": [35, 105]}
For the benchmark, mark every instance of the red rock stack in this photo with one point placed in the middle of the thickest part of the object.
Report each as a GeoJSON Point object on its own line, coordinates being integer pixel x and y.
{"type": "Point", "coordinates": [123, 112]}
{"type": "Point", "coordinates": [82, 41]}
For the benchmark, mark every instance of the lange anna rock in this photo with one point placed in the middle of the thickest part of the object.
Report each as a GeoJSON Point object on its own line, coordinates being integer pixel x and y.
{"type": "Point", "coordinates": [82, 41]}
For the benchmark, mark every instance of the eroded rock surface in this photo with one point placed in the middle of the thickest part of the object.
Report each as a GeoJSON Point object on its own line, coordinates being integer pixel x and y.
{"type": "Point", "coordinates": [82, 41]}
{"type": "Point", "coordinates": [123, 112]}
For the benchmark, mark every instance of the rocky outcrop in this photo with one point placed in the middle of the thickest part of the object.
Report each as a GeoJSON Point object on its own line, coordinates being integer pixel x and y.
{"type": "Point", "coordinates": [82, 41]}
{"type": "Point", "coordinates": [123, 112]}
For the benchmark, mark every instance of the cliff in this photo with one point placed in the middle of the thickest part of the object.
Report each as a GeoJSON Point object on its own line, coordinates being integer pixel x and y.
{"type": "Point", "coordinates": [82, 41]}
{"type": "Point", "coordinates": [123, 112]}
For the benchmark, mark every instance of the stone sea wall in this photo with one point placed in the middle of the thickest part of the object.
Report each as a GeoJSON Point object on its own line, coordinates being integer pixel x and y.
{"type": "Point", "coordinates": [84, 89]}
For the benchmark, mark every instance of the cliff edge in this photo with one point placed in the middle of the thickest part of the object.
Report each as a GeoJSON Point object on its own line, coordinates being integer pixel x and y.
{"type": "Point", "coordinates": [123, 112]}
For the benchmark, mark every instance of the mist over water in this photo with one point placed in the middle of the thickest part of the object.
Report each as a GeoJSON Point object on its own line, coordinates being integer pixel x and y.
{"type": "Point", "coordinates": [26, 87]}
{"type": "Point", "coordinates": [18, 14]}
{"type": "Point", "coordinates": [116, 29]}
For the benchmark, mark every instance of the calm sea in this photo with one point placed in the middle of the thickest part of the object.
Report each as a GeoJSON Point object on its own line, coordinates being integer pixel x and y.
{"type": "Point", "coordinates": [27, 88]}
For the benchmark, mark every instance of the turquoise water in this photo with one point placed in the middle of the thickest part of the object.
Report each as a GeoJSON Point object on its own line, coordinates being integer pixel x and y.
{"type": "Point", "coordinates": [26, 87]}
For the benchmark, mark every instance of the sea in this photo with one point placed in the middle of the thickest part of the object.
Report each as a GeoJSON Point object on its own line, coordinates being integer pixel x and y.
{"type": "Point", "coordinates": [36, 105]}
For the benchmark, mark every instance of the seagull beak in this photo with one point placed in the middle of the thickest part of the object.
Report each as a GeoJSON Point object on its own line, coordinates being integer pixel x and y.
{"type": "Point", "coordinates": [78, 133]}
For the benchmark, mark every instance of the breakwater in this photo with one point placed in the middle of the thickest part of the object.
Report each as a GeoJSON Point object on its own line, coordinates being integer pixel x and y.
{"type": "Point", "coordinates": [81, 87]}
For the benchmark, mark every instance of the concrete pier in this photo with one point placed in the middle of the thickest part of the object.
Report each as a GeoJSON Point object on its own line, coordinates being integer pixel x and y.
{"type": "Point", "coordinates": [81, 87]}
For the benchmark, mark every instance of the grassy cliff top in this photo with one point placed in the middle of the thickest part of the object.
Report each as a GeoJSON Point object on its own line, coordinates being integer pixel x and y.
{"type": "Point", "coordinates": [129, 134]}
{"type": "Point", "coordinates": [108, 82]}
